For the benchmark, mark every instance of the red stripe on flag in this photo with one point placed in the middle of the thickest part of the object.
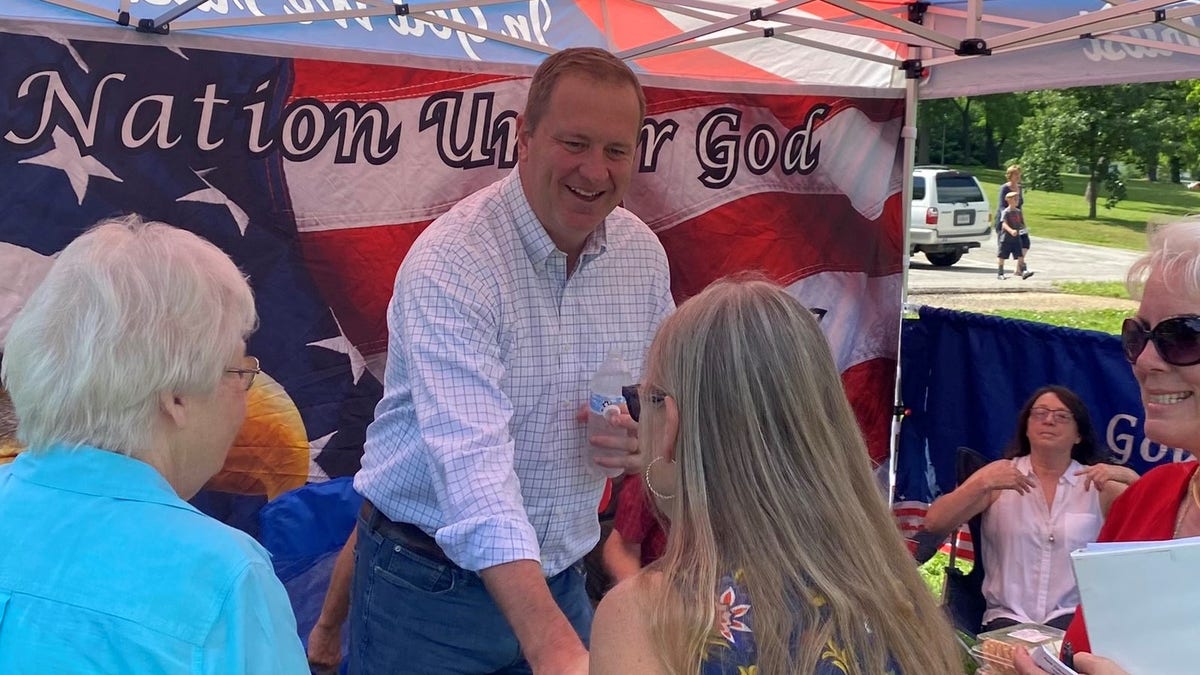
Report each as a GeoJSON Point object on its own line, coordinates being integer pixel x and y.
{"type": "Point", "coordinates": [333, 81]}
{"type": "Point", "coordinates": [786, 236]}
{"type": "Point", "coordinates": [790, 110]}
{"type": "Point", "coordinates": [355, 269]}
{"type": "Point", "coordinates": [870, 388]}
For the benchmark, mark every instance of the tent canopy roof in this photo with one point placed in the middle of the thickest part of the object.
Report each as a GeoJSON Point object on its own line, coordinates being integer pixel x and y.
{"type": "Point", "coordinates": [958, 48]}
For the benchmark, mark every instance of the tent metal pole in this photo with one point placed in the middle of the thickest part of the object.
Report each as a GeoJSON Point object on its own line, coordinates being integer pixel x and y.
{"type": "Point", "coordinates": [1121, 39]}
{"type": "Point", "coordinates": [908, 136]}
{"type": "Point", "coordinates": [175, 12]}
{"type": "Point", "coordinates": [233, 22]}
{"type": "Point", "coordinates": [974, 18]}
{"type": "Point", "coordinates": [751, 33]}
{"type": "Point", "coordinates": [1081, 23]}
{"type": "Point", "coordinates": [1173, 23]}
{"type": "Point", "coordinates": [894, 21]}
{"type": "Point", "coordinates": [756, 14]}
{"type": "Point", "coordinates": [608, 32]}
{"type": "Point", "coordinates": [836, 50]}
{"type": "Point", "coordinates": [709, 9]}
{"type": "Point", "coordinates": [374, 8]}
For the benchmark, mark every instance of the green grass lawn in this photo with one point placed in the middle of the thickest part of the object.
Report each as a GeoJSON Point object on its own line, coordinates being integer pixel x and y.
{"type": "Point", "coordinates": [1063, 215]}
{"type": "Point", "coordinates": [1100, 289]}
{"type": "Point", "coordinates": [1103, 320]}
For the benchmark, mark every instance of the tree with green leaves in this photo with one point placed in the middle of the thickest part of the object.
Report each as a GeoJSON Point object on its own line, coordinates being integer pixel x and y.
{"type": "Point", "coordinates": [1084, 127]}
{"type": "Point", "coordinates": [1001, 121]}
{"type": "Point", "coordinates": [1160, 127]}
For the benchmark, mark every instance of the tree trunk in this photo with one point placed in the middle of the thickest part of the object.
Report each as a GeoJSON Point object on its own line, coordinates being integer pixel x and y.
{"type": "Point", "coordinates": [991, 152]}
{"type": "Point", "coordinates": [1093, 166]}
{"type": "Point", "coordinates": [965, 113]}
{"type": "Point", "coordinates": [1152, 169]}
{"type": "Point", "coordinates": [1175, 166]}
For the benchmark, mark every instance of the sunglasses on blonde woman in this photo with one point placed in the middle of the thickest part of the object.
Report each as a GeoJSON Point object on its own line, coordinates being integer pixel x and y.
{"type": "Point", "coordinates": [633, 399]}
{"type": "Point", "coordinates": [1177, 339]}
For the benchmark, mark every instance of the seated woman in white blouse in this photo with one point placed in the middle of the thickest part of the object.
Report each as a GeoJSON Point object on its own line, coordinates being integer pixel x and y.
{"type": "Point", "coordinates": [1047, 497]}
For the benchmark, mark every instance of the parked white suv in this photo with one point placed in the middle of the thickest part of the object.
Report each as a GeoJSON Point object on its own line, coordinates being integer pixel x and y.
{"type": "Point", "coordinates": [950, 214]}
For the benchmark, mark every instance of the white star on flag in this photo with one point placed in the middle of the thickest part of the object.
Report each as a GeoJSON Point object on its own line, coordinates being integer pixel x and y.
{"type": "Point", "coordinates": [66, 157]}
{"type": "Point", "coordinates": [341, 344]}
{"type": "Point", "coordinates": [315, 447]}
{"type": "Point", "coordinates": [211, 195]}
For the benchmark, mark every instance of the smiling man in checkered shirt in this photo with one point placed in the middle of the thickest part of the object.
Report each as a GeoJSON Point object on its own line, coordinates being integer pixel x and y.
{"type": "Point", "coordinates": [480, 502]}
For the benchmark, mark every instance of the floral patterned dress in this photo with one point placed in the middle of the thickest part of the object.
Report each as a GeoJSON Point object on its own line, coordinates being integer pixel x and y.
{"type": "Point", "coordinates": [732, 649]}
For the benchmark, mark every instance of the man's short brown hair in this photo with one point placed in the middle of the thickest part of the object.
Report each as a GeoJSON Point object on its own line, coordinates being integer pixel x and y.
{"type": "Point", "coordinates": [592, 62]}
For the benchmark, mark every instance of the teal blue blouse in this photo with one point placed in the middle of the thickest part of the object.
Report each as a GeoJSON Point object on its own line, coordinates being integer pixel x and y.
{"type": "Point", "coordinates": [104, 569]}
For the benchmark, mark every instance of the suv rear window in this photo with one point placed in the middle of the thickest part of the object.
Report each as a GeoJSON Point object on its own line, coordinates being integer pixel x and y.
{"type": "Point", "coordinates": [918, 188]}
{"type": "Point", "coordinates": [957, 188]}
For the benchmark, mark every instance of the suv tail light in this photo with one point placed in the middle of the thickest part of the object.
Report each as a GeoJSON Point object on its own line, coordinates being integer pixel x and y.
{"type": "Point", "coordinates": [931, 215]}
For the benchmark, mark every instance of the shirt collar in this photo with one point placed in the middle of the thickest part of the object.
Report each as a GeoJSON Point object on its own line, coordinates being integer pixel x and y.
{"type": "Point", "coordinates": [1025, 465]}
{"type": "Point", "coordinates": [100, 473]}
{"type": "Point", "coordinates": [534, 239]}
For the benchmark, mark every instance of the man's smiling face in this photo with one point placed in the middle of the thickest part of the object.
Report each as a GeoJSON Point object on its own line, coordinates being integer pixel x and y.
{"type": "Point", "coordinates": [577, 163]}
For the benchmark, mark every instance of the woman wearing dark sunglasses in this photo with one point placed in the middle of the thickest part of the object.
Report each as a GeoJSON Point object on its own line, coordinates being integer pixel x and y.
{"type": "Point", "coordinates": [1163, 343]}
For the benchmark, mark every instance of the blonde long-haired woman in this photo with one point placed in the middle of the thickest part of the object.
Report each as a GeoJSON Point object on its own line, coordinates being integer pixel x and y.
{"type": "Point", "coordinates": [782, 555]}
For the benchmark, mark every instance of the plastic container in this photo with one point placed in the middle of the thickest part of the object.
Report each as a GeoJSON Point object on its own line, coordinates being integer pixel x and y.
{"type": "Point", "coordinates": [995, 648]}
{"type": "Point", "coordinates": [604, 402]}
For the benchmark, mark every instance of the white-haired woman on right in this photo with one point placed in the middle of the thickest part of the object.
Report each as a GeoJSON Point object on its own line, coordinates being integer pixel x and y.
{"type": "Point", "coordinates": [782, 556]}
{"type": "Point", "coordinates": [128, 373]}
{"type": "Point", "coordinates": [1162, 342]}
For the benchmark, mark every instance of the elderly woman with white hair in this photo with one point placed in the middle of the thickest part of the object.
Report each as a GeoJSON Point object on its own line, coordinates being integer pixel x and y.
{"type": "Point", "coordinates": [128, 372]}
{"type": "Point", "coordinates": [1162, 343]}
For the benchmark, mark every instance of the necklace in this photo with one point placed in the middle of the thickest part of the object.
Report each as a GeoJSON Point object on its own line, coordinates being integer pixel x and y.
{"type": "Point", "coordinates": [1194, 494]}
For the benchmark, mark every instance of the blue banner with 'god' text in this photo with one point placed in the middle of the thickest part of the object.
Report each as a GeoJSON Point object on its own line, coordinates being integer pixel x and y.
{"type": "Point", "coordinates": [966, 376]}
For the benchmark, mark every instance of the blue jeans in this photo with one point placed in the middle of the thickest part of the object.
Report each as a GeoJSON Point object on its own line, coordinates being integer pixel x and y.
{"type": "Point", "coordinates": [412, 614]}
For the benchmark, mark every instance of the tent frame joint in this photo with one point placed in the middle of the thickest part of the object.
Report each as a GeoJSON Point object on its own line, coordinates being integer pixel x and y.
{"type": "Point", "coordinates": [756, 14]}
{"type": "Point", "coordinates": [1160, 15]}
{"type": "Point", "coordinates": [973, 47]}
{"type": "Point", "coordinates": [768, 32]}
{"type": "Point", "coordinates": [912, 68]}
{"type": "Point", "coordinates": [402, 9]}
{"type": "Point", "coordinates": [123, 18]}
{"type": "Point", "coordinates": [916, 12]}
{"type": "Point", "coordinates": [150, 26]}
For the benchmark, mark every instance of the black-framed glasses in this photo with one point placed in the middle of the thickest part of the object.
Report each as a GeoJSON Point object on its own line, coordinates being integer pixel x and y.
{"type": "Point", "coordinates": [247, 374]}
{"type": "Point", "coordinates": [1177, 339]}
{"type": "Point", "coordinates": [633, 399]}
{"type": "Point", "coordinates": [1044, 414]}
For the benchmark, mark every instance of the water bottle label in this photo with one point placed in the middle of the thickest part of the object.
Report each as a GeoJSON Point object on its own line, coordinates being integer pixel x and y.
{"type": "Point", "coordinates": [599, 402]}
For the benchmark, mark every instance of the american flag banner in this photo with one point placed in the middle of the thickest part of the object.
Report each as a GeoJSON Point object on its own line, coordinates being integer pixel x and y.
{"type": "Point", "coordinates": [316, 176]}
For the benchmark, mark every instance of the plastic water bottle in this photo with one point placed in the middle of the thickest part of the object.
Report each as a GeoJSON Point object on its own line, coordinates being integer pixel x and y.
{"type": "Point", "coordinates": [604, 403]}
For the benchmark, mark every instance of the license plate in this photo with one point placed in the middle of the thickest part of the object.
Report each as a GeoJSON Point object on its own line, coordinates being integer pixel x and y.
{"type": "Point", "coordinates": [964, 218]}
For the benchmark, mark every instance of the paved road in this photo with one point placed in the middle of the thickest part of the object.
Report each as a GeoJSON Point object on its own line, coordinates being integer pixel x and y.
{"type": "Point", "coordinates": [1051, 260]}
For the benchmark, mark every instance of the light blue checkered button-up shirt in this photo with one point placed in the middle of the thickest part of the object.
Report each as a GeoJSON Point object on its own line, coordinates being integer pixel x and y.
{"type": "Point", "coordinates": [491, 348]}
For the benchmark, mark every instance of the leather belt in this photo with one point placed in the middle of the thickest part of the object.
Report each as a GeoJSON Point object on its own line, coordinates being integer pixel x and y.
{"type": "Point", "coordinates": [406, 534]}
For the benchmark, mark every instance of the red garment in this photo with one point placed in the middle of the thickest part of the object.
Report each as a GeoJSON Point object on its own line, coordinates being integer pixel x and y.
{"type": "Point", "coordinates": [1145, 512]}
{"type": "Point", "coordinates": [637, 521]}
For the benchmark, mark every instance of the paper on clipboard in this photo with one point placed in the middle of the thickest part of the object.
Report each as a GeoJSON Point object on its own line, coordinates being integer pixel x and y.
{"type": "Point", "coordinates": [1141, 601]}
